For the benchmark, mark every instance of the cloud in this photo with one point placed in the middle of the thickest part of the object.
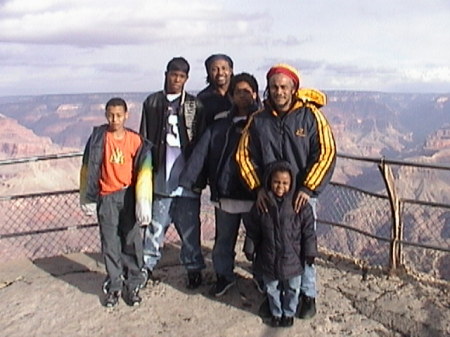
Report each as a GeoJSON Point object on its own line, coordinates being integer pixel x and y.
{"type": "Point", "coordinates": [100, 23]}
{"type": "Point", "coordinates": [101, 45]}
{"type": "Point", "coordinates": [289, 41]}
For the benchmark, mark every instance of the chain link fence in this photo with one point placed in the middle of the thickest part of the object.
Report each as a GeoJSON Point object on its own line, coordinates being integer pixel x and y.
{"type": "Point", "coordinates": [429, 226]}
{"type": "Point", "coordinates": [351, 222]}
{"type": "Point", "coordinates": [354, 223]}
{"type": "Point", "coordinates": [49, 224]}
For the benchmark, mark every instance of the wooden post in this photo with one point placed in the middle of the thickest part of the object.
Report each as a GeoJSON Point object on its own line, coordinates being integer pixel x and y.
{"type": "Point", "coordinates": [396, 230]}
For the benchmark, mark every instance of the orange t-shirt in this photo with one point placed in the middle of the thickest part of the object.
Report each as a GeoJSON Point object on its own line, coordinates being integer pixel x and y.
{"type": "Point", "coordinates": [117, 164]}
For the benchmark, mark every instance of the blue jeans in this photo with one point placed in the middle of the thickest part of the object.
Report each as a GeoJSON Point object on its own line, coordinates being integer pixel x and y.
{"type": "Point", "coordinates": [184, 212]}
{"type": "Point", "coordinates": [283, 295]}
{"type": "Point", "coordinates": [223, 254]}
{"type": "Point", "coordinates": [308, 286]}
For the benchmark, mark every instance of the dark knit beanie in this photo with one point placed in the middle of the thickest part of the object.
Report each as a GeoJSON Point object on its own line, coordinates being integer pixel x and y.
{"type": "Point", "coordinates": [216, 57]}
{"type": "Point", "coordinates": [178, 64]}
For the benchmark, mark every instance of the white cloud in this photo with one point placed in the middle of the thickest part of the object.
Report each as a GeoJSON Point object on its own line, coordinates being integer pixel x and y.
{"type": "Point", "coordinates": [438, 74]}
{"type": "Point", "coordinates": [104, 45]}
{"type": "Point", "coordinates": [97, 23]}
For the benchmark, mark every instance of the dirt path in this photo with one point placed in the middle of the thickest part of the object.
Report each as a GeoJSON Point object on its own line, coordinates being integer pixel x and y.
{"type": "Point", "coordinates": [61, 296]}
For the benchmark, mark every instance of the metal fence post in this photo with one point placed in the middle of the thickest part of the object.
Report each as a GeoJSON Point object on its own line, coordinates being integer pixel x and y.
{"type": "Point", "coordinates": [396, 230]}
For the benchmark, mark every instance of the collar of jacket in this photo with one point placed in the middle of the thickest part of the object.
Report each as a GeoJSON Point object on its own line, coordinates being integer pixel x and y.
{"type": "Point", "coordinates": [252, 109]}
{"type": "Point", "coordinates": [211, 90]}
{"type": "Point", "coordinates": [297, 104]}
{"type": "Point", "coordinates": [183, 96]}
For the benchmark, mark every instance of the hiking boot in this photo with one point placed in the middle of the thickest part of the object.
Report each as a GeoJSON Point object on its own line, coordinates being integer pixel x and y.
{"type": "Point", "coordinates": [112, 299]}
{"type": "Point", "coordinates": [221, 286]}
{"type": "Point", "coordinates": [287, 322]}
{"type": "Point", "coordinates": [275, 321]}
{"type": "Point", "coordinates": [132, 297]}
{"type": "Point", "coordinates": [308, 307]}
{"type": "Point", "coordinates": [194, 279]}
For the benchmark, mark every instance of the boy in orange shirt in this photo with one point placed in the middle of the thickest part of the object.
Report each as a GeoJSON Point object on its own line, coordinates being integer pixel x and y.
{"type": "Point", "coordinates": [116, 166]}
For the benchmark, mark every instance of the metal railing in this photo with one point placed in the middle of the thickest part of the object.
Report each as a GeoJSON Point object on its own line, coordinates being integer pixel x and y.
{"type": "Point", "coordinates": [381, 228]}
{"type": "Point", "coordinates": [388, 228]}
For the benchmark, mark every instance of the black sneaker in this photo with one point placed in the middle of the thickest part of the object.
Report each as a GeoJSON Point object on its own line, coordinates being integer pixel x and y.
{"type": "Point", "coordinates": [132, 298]}
{"type": "Point", "coordinates": [221, 286]}
{"type": "Point", "coordinates": [308, 307]}
{"type": "Point", "coordinates": [194, 279]}
{"type": "Point", "coordinates": [105, 285]}
{"type": "Point", "coordinates": [275, 321]}
{"type": "Point", "coordinates": [287, 321]}
{"type": "Point", "coordinates": [146, 275]}
{"type": "Point", "coordinates": [112, 299]}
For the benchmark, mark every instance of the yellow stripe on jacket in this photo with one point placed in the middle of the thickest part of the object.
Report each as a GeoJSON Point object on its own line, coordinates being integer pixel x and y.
{"type": "Point", "coordinates": [327, 151]}
{"type": "Point", "coordinates": [246, 166]}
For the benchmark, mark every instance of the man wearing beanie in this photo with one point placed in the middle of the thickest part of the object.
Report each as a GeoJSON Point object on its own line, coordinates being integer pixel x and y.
{"type": "Point", "coordinates": [290, 127]}
{"type": "Point", "coordinates": [168, 121]}
{"type": "Point", "coordinates": [214, 98]}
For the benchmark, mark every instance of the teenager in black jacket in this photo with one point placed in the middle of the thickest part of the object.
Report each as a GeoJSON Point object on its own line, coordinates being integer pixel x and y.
{"type": "Point", "coordinates": [169, 122]}
{"type": "Point", "coordinates": [214, 156]}
{"type": "Point", "coordinates": [284, 241]}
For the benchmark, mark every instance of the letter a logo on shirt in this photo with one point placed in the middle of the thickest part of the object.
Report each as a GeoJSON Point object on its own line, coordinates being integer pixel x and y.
{"type": "Point", "coordinates": [117, 157]}
{"type": "Point", "coordinates": [300, 132]}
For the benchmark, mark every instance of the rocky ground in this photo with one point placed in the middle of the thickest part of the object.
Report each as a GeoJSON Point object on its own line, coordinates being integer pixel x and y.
{"type": "Point", "coordinates": [61, 296]}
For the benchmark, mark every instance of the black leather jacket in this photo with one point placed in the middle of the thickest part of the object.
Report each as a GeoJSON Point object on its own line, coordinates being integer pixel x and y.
{"type": "Point", "coordinates": [153, 126]}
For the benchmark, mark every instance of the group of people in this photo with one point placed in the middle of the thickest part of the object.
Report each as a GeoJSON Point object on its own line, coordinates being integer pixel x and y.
{"type": "Point", "coordinates": [265, 163]}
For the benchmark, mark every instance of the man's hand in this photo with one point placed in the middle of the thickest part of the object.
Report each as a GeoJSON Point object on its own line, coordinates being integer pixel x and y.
{"type": "Point", "coordinates": [300, 200]}
{"type": "Point", "coordinates": [262, 201]}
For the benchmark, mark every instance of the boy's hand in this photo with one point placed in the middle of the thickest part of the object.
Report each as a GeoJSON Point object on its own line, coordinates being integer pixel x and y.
{"type": "Point", "coordinates": [89, 209]}
{"type": "Point", "coordinates": [143, 213]}
{"type": "Point", "coordinates": [144, 221]}
{"type": "Point", "coordinates": [262, 201]}
{"type": "Point", "coordinates": [310, 260]}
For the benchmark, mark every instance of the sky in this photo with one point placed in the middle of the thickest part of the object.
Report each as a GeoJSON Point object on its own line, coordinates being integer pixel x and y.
{"type": "Point", "coordinates": [90, 46]}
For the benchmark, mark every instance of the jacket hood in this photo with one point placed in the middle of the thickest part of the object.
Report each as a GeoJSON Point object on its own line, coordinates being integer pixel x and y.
{"type": "Point", "coordinates": [281, 165]}
{"type": "Point", "coordinates": [305, 96]}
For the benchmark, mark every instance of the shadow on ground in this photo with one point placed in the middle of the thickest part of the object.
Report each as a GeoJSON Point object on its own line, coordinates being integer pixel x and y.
{"type": "Point", "coordinates": [85, 274]}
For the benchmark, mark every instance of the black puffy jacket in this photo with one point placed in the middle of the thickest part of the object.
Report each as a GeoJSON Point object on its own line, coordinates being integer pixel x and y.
{"type": "Point", "coordinates": [282, 238]}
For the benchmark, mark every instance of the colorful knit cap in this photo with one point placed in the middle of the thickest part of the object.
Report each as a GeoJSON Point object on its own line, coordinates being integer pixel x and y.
{"type": "Point", "coordinates": [287, 70]}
